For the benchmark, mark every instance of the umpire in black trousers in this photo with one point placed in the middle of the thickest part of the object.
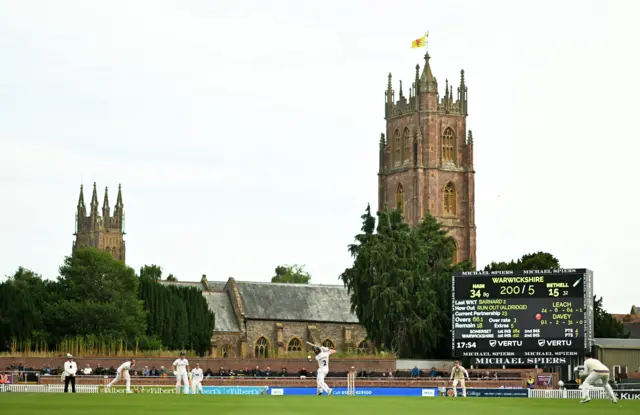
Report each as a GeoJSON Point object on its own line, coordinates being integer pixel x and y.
{"type": "Point", "coordinates": [69, 374]}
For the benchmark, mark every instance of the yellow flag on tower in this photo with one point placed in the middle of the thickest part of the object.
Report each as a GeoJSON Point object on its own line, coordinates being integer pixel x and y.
{"type": "Point", "coordinates": [420, 42]}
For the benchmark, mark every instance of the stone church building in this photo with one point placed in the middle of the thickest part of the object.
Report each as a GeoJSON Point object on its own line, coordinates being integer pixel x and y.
{"type": "Point", "coordinates": [264, 319]}
{"type": "Point", "coordinates": [426, 158]}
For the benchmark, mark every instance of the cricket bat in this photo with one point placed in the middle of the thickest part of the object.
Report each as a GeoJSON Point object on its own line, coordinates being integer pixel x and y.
{"type": "Point", "coordinates": [311, 344]}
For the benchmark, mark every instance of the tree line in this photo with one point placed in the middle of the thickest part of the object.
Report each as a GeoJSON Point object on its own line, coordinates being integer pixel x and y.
{"type": "Point", "coordinates": [399, 285]}
{"type": "Point", "coordinates": [100, 305]}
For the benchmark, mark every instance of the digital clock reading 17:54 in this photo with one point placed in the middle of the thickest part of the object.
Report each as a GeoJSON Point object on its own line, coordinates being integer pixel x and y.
{"type": "Point", "coordinates": [466, 345]}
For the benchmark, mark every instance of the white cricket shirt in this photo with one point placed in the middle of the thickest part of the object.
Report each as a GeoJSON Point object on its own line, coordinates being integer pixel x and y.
{"type": "Point", "coordinates": [70, 368]}
{"type": "Point", "coordinates": [323, 359]}
{"type": "Point", "coordinates": [594, 365]}
{"type": "Point", "coordinates": [459, 373]}
{"type": "Point", "coordinates": [196, 374]}
{"type": "Point", "coordinates": [125, 366]}
{"type": "Point", "coordinates": [181, 366]}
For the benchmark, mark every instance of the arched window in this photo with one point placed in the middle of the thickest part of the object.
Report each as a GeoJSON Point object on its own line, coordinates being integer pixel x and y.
{"type": "Point", "coordinates": [400, 197]}
{"type": "Point", "coordinates": [448, 145]}
{"type": "Point", "coordinates": [224, 351]}
{"type": "Point", "coordinates": [397, 147]}
{"type": "Point", "coordinates": [449, 200]}
{"type": "Point", "coordinates": [262, 348]}
{"type": "Point", "coordinates": [407, 144]}
{"type": "Point", "coordinates": [328, 343]}
{"type": "Point", "coordinates": [295, 345]}
{"type": "Point", "coordinates": [363, 347]}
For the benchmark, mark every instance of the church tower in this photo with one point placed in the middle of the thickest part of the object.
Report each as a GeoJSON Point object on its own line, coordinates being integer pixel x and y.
{"type": "Point", "coordinates": [426, 158]}
{"type": "Point", "coordinates": [104, 232]}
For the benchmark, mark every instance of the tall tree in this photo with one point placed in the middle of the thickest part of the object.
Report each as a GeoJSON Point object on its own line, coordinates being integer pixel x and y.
{"type": "Point", "coordinates": [97, 295]}
{"type": "Point", "coordinates": [178, 316]}
{"type": "Point", "coordinates": [152, 272]}
{"type": "Point", "coordinates": [605, 326]}
{"type": "Point", "coordinates": [400, 283]}
{"type": "Point", "coordinates": [293, 274]}
{"type": "Point", "coordinates": [23, 297]}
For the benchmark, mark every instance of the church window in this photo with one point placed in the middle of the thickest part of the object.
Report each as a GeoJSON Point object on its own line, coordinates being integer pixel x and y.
{"type": "Point", "coordinates": [224, 350]}
{"type": "Point", "coordinates": [400, 198]}
{"type": "Point", "coordinates": [328, 343]}
{"type": "Point", "coordinates": [262, 348]}
{"type": "Point", "coordinates": [397, 147]}
{"type": "Point", "coordinates": [449, 200]}
{"type": "Point", "coordinates": [407, 143]}
{"type": "Point", "coordinates": [448, 145]}
{"type": "Point", "coordinates": [295, 345]}
{"type": "Point", "coordinates": [364, 347]}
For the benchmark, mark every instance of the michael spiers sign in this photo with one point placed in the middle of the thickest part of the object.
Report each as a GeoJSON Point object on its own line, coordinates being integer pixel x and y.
{"type": "Point", "coordinates": [517, 361]}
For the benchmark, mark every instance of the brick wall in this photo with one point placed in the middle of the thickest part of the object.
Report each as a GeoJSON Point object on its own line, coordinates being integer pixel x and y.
{"type": "Point", "coordinates": [333, 331]}
{"type": "Point", "coordinates": [292, 365]}
{"type": "Point", "coordinates": [230, 341]}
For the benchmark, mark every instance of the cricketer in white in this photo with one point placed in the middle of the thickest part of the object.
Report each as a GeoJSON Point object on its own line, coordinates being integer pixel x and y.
{"type": "Point", "coordinates": [595, 371]}
{"type": "Point", "coordinates": [196, 379]}
{"type": "Point", "coordinates": [322, 356]}
{"type": "Point", "coordinates": [181, 370]}
{"type": "Point", "coordinates": [123, 372]}
{"type": "Point", "coordinates": [458, 373]}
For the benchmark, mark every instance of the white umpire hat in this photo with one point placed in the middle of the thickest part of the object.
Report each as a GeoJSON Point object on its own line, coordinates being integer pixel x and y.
{"type": "Point", "coordinates": [69, 356]}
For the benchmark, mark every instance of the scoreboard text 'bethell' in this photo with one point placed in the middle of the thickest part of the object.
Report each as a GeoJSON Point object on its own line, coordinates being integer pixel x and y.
{"type": "Point", "coordinates": [522, 317]}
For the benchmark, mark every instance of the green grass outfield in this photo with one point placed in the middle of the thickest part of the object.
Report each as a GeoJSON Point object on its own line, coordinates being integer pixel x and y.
{"type": "Point", "coordinates": [98, 404]}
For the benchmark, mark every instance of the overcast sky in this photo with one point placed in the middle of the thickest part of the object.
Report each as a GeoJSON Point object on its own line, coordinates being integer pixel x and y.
{"type": "Point", "coordinates": [245, 133]}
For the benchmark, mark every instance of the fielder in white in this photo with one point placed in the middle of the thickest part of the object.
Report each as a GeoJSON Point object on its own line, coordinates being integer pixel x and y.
{"type": "Point", "coordinates": [123, 372]}
{"type": "Point", "coordinates": [458, 373]}
{"type": "Point", "coordinates": [196, 379]}
{"type": "Point", "coordinates": [181, 370]}
{"type": "Point", "coordinates": [595, 371]}
{"type": "Point", "coordinates": [322, 356]}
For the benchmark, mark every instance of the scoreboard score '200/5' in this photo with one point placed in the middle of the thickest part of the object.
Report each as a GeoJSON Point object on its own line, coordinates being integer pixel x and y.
{"type": "Point", "coordinates": [538, 313]}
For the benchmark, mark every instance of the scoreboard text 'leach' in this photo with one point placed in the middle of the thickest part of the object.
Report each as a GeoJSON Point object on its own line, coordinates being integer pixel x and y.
{"type": "Point", "coordinates": [522, 317]}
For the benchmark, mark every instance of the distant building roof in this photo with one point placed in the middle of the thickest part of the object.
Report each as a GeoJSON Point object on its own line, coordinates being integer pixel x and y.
{"type": "Point", "coordinates": [296, 302]}
{"type": "Point", "coordinates": [618, 343]}
{"type": "Point", "coordinates": [220, 304]}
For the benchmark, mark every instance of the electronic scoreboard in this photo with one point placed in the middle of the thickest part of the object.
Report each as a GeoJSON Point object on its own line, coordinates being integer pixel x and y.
{"type": "Point", "coordinates": [532, 317]}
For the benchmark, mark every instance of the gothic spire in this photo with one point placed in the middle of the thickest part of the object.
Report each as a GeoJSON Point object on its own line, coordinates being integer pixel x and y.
{"type": "Point", "coordinates": [427, 77]}
{"type": "Point", "coordinates": [81, 198]}
{"type": "Point", "coordinates": [105, 203]}
{"type": "Point", "coordinates": [94, 201]}
{"type": "Point", "coordinates": [119, 204]}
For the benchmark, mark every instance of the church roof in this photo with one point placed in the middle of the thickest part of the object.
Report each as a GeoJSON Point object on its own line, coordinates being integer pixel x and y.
{"type": "Point", "coordinates": [220, 304]}
{"type": "Point", "coordinates": [296, 302]}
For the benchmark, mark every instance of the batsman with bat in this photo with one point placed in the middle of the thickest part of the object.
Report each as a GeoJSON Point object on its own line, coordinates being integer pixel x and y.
{"type": "Point", "coordinates": [322, 357]}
